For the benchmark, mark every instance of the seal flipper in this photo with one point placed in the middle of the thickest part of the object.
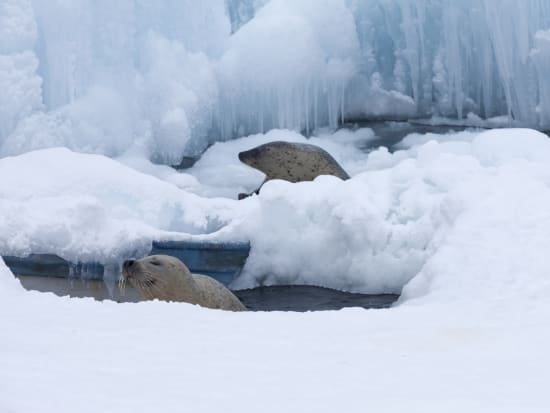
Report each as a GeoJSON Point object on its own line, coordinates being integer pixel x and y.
{"type": "Point", "coordinates": [243, 195]}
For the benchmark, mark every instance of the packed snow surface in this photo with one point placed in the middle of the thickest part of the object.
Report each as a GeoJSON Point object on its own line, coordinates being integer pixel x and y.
{"type": "Point", "coordinates": [168, 78]}
{"type": "Point", "coordinates": [468, 355]}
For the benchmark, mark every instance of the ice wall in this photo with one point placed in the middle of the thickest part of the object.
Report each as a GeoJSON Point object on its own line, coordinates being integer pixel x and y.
{"type": "Point", "coordinates": [390, 59]}
{"type": "Point", "coordinates": [167, 78]}
{"type": "Point", "coordinates": [288, 67]}
{"type": "Point", "coordinates": [116, 76]}
{"type": "Point", "coordinates": [454, 57]}
{"type": "Point", "coordinates": [19, 82]}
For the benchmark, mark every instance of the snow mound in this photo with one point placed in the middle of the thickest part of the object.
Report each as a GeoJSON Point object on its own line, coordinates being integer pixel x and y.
{"type": "Point", "coordinates": [461, 219]}
{"type": "Point", "coordinates": [92, 208]}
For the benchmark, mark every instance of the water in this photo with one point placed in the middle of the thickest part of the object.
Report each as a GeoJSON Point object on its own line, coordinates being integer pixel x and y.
{"type": "Point", "coordinates": [390, 133]}
{"type": "Point", "coordinates": [309, 298]}
{"type": "Point", "coordinates": [77, 287]}
{"type": "Point", "coordinates": [276, 298]}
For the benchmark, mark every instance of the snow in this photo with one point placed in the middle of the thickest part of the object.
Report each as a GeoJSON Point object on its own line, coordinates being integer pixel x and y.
{"type": "Point", "coordinates": [53, 195]}
{"type": "Point", "coordinates": [459, 223]}
{"type": "Point", "coordinates": [58, 354]}
{"type": "Point", "coordinates": [395, 219]}
{"type": "Point", "coordinates": [98, 97]}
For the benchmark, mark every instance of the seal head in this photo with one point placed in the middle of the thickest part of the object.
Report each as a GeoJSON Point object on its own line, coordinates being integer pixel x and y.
{"type": "Point", "coordinates": [166, 278]}
{"type": "Point", "coordinates": [293, 162]}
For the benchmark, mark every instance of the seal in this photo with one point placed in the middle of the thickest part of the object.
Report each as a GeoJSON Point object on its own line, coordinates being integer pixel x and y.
{"type": "Point", "coordinates": [166, 278]}
{"type": "Point", "coordinates": [293, 162]}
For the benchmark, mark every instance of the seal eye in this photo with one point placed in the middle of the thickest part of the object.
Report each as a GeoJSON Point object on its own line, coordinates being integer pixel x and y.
{"type": "Point", "coordinates": [155, 263]}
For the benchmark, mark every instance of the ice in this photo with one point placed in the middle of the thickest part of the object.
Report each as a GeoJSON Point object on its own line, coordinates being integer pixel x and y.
{"type": "Point", "coordinates": [108, 78]}
{"type": "Point", "coordinates": [541, 59]}
{"type": "Point", "coordinates": [265, 83]}
{"type": "Point", "coordinates": [242, 11]}
{"type": "Point", "coordinates": [104, 78]}
{"type": "Point", "coordinates": [18, 29]}
{"type": "Point", "coordinates": [20, 85]}
{"type": "Point", "coordinates": [179, 103]}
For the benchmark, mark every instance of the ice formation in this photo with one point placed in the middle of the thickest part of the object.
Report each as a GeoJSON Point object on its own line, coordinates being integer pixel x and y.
{"type": "Point", "coordinates": [168, 78]}
{"type": "Point", "coordinates": [107, 77]}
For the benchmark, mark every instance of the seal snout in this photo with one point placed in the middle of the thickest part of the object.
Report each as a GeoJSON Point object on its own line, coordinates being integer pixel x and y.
{"type": "Point", "coordinates": [242, 156]}
{"type": "Point", "coordinates": [248, 157]}
{"type": "Point", "coordinates": [127, 266]}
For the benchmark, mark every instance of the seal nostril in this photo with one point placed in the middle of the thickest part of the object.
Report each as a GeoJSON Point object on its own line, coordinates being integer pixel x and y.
{"type": "Point", "coordinates": [128, 263]}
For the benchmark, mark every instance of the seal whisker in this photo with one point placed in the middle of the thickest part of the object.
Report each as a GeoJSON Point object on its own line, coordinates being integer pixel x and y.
{"type": "Point", "coordinates": [122, 286]}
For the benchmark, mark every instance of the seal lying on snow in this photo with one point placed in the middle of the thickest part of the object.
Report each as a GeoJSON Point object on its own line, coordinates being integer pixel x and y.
{"type": "Point", "coordinates": [293, 162]}
{"type": "Point", "coordinates": [166, 278]}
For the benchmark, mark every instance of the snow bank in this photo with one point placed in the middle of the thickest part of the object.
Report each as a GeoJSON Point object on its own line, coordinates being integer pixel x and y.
{"type": "Point", "coordinates": [461, 215]}
{"type": "Point", "coordinates": [494, 249]}
{"type": "Point", "coordinates": [455, 358]}
{"type": "Point", "coordinates": [54, 195]}
{"type": "Point", "coordinates": [372, 233]}
{"type": "Point", "coordinates": [91, 208]}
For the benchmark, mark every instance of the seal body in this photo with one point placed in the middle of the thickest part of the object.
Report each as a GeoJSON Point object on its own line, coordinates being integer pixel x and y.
{"type": "Point", "coordinates": [166, 278]}
{"type": "Point", "coordinates": [293, 162]}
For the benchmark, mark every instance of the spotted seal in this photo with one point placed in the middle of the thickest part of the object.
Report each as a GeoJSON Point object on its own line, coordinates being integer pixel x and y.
{"type": "Point", "coordinates": [290, 161]}
{"type": "Point", "coordinates": [167, 278]}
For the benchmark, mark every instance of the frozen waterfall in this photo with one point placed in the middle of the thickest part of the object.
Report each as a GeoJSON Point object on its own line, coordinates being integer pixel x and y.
{"type": "Point", "coordinates": [167, 78]}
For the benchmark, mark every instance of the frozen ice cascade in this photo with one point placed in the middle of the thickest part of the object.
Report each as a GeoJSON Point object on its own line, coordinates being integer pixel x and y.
{"type": "Point", "coordinates": [168, 78]}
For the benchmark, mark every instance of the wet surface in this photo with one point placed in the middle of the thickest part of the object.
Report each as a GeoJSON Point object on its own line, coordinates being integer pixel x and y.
{"type": "Point", "coordinates": [75, 287]}
{"type": "Point", "coordinates": [389, 133]}
{"type": "Point", "coordinates": [309, 298]}
{"type": "Point", "coordinates": [276, 298]}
